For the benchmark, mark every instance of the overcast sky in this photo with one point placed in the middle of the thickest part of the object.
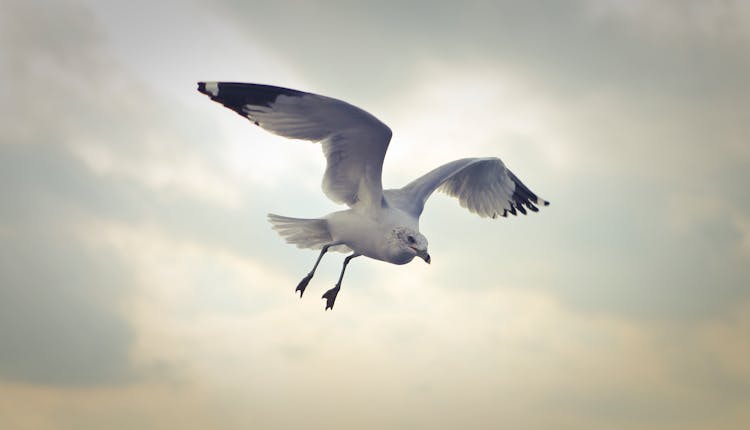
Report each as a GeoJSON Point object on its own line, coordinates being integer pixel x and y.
{"type": "Point", "coordinates": [141, 286]}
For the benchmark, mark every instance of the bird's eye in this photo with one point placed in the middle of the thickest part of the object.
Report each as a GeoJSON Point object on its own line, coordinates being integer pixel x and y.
{"type": "Point", "coordinates": [410, 239]}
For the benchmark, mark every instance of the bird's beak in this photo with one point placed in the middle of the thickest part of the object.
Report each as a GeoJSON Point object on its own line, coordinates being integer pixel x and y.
{"type": "Point", "coordinates": [424, 256]}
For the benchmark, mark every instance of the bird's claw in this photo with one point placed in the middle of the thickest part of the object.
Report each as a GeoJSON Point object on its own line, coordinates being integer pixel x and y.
{"type": "Point", "coordinates": [330, 296]}
{"type": "Point", "coordinates": [303, 284]}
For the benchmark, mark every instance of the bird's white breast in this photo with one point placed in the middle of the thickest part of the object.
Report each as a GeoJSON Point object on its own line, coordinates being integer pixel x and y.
{"type": "Point", "coordinates": [370, 236]}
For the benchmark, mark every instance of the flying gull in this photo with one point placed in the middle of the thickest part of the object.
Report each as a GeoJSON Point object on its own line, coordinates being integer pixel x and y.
{"type": "Point", "coordinates": [380, 224]}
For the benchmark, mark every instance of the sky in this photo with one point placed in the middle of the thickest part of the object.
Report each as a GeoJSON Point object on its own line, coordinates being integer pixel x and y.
{"type": "Point", "coordinates": [141, 286]}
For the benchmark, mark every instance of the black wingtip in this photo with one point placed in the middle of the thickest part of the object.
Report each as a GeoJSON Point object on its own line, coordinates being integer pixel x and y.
{"type": "Point", "coordinates": [240, 96]}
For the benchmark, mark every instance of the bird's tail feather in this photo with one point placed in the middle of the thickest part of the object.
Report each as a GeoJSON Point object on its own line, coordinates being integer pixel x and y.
{"type": "Point", "coordinates": [311, 233]}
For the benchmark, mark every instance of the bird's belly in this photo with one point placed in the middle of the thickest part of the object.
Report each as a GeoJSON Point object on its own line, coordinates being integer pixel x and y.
{"type": "Point", "coordinates": [401, 259]}
{"type": "Point", "coordinates": [379, 252]}
{"type": "Point", "coordinates": [359, 233]}
{"type": "Point", "coordinates": [365, 236]}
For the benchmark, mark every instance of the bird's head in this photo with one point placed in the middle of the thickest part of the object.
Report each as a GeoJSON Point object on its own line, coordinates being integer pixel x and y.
{"type": "Point", "coordinates": [409, 243]}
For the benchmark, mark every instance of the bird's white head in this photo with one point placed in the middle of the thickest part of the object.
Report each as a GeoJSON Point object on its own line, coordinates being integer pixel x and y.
{"type": "Point", "coordinates": [406, 243]}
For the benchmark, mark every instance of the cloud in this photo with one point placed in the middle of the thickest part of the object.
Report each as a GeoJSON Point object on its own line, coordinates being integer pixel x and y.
{"type": "Point", "coordinates": [573, 44]}
{"type": "Point", "coordinates": [83, 142]}
{"type": "Point", "coordinates": [624, 98]}
{"type": "Point", "coordinates": [142, 285]}
{"type": "Point", "coordinates": [643, 235]}
{"type": "Point", "coordinates": [675, 22]}
{"type": "Point", "coordinates": [62, 320]}
{"type": "Point", "coordinates": [432, 357]}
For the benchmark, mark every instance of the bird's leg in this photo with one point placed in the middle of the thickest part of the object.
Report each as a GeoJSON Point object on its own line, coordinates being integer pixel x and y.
{"type": "Point", "coordinates": [331, 294]}
{"type": "Point", "coordinates": [306, 280]}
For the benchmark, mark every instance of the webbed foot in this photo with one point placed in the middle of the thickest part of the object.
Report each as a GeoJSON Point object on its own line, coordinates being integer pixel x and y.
{"type": "Point", "coordinates": [303, 284]}
{"type": "Point", "coordinates": [330, 296]}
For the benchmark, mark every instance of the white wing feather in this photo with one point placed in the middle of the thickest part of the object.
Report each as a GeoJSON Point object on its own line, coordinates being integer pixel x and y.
{"type": "Point", "coordinates": [482, 185]}
{"type": "Point", "coordinates": [354, 142]}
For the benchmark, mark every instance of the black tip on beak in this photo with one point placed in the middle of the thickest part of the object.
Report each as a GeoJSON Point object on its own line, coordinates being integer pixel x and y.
{"type": "Point", "coordinates": [426, 258]}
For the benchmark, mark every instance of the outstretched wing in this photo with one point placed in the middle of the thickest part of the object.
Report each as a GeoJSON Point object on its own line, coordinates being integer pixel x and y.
{"type": "Point", "coordinates": [354, 142]}
{"type": "Point", "coordinates": [482, 185]}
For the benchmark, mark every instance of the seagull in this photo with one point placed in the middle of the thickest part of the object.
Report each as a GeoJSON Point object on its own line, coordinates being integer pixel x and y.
{"type": "Point", "coordinates": [379, 224]}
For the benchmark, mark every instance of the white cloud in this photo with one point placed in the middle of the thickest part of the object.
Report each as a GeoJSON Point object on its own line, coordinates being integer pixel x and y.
{"type": "Point", "coordinates": [458, 111]}
{"type": "Point", "coordinates": [183, 172]}
{"type": "Point", "coordinates": [676, 21]}
{"type": "Point", "coordinates": [489, 333]}
{"type": "Point", "coordinates": [468, 358]}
